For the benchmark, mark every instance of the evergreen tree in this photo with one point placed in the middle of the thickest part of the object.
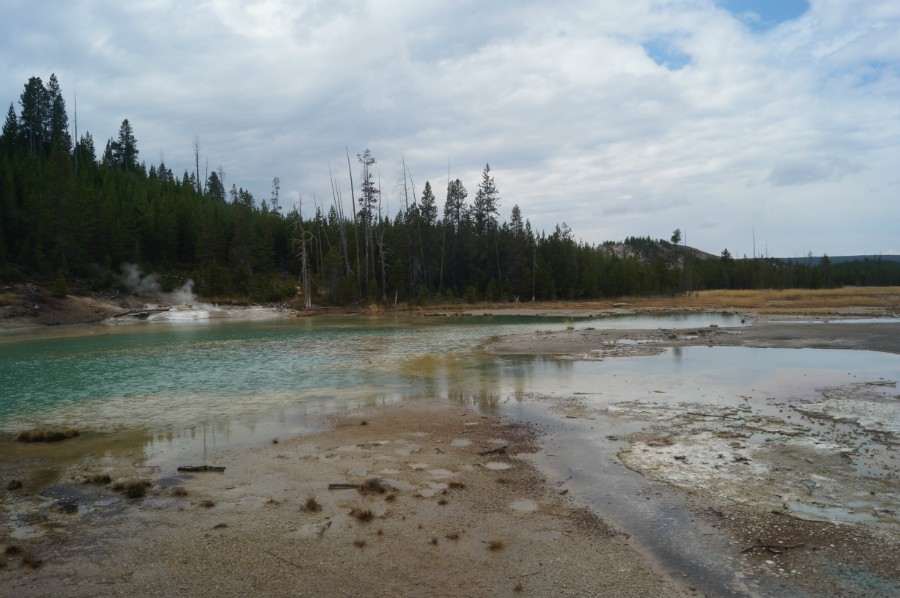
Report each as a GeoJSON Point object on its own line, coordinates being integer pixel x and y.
{"type": "Point", "coordinates": [428, 206]}
{"type": "Point", "coordinates": [124, 150]}
{"type": "Point", "coordinates": [485, 208]}
{"type": "Point", "coordinates": [57, 126]}
{"type": "Point", "coordinates": [10, 131]}
{"type": "Point", "coordinates": [33, 117]}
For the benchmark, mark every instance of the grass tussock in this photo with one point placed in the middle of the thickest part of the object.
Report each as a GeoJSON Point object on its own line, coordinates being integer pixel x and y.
{"type": "Point", "coordinates": [41, 435]}
{"type": "Point", "coordinates": [372, 486]}
{"type": "Point", "coordinates": [31, 561]}
{"type": "Point", "coordinates": [495, 545]}
{"type": "Point", "coordinates": [312, 505]}
{"type": "Point", "coordinates": [362, 515]}
{"type": "Point", "coordinates": [132, 488]}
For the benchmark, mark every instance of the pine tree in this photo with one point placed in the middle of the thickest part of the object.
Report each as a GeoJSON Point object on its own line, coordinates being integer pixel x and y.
{"type": "Point", "coordinates": [124, 149]}
{"type": "Point", "coordinates": [57, 121]}
{"type": "Point", "coordinates": [485, 208]}
{"type": "Point", "coordinates": [33, 118]}
{"type": "Point", "coordinates": [10, 131]}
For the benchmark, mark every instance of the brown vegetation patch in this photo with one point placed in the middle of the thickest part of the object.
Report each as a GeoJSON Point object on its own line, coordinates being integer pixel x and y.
{"type": "Point", "coordinates": [40, 435]}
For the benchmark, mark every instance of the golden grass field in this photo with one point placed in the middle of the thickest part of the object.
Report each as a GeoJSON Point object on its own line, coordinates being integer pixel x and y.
{"type": "Point", "coordinates": [848, 300]}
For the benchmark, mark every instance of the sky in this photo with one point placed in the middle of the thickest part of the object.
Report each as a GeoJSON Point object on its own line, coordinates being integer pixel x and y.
{"type": "Point", "coordinates": [772, 124]}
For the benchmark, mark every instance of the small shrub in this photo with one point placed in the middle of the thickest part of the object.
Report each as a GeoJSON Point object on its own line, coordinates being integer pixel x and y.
{"type": "Point", "coordinates": [312, 505]}
{"type": "Point", "coordinates": [179, 491]}
{"type": "Point", "coordinates": [456, 486]}
{"type": "Point", "coordinates": [442, 501]}
{"type": "Point", "coordinates": [132, 488]}
{"type": "Point", "coordinates": [14, 485]}
{"type": "Point", "coordinates": [363, 515]}
{"type": "Point", "coordinates": [207, 504]}
{"type": "Point", "coordinates": [31, 561]}
{"type": "Point", "coordinates": [518, 588]}
{"type": "Point", "coordinates": [372, 486]}
{"type": "Point", "coordinates": [496, 545]}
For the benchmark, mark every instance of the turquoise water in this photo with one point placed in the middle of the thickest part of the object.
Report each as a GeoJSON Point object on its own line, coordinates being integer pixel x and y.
{"type": "Point", "coordinates": [171, 375]}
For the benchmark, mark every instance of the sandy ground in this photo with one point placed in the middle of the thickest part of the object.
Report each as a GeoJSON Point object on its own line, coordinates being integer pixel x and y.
{"type": "Point", "coordinates": [459, 513]}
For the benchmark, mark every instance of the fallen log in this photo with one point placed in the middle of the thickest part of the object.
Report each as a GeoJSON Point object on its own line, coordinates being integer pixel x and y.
{"type": "Point", "coordinates": [200, 468]}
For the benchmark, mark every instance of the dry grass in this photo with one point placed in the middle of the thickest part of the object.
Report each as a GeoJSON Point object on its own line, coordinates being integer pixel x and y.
{"type": "Point", "coordinates": [372, 486]}
{"type": "Point", "coordinates": [363, 515]}
{"type": "Point", "coordinates": [40, 435]}
{"type": "Point", "coordinates": [132, 488]}
{"type": "Point", "coordinates": [777, 301]}
{"type": "Point", "coordinates": [495, 545]}
{"type": "Point", "coordinates": [312, 505]}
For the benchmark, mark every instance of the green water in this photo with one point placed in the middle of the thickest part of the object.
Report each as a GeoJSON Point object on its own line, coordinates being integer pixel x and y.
{"type": "Point", "coordinates": [181, 375]}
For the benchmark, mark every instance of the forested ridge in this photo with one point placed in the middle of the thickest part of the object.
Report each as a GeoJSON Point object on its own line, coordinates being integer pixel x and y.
{"type": "Point", "coordinates": [73, 213]}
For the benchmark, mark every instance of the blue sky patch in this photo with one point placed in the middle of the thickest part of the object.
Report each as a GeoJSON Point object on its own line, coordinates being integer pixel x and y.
{"type": "Point", "coordinates": [762, 15]}
{"type": "Point", "coordinates": [665, 53]}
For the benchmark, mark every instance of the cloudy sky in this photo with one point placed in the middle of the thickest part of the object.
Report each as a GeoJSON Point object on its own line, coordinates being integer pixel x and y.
{"type": "Point", "coordinates": [724, 118]}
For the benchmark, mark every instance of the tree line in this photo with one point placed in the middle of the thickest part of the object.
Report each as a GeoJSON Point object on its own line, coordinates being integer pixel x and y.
{"type": "Point", "coordinates": [68, 214]}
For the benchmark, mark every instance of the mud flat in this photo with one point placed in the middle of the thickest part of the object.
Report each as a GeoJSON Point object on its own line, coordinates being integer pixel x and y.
{"type": "Point", "coordinates": [799, 490]}
{"type": "Point", "coordinates": [454, 509]}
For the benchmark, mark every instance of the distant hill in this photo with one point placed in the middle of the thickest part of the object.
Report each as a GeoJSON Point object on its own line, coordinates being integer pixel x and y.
{"type": "Point", "coordinates": [838, 259]}
{"type": "Point", "coordinates": [644, 249]}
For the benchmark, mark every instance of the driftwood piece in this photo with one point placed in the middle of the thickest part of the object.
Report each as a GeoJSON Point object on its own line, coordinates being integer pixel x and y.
{"type": "Point", "coordinates": [343, 486]}
{"type": "Point", "coordinates": [495, 451]}
{"type": "Point", "coordinates": [200, 468]}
